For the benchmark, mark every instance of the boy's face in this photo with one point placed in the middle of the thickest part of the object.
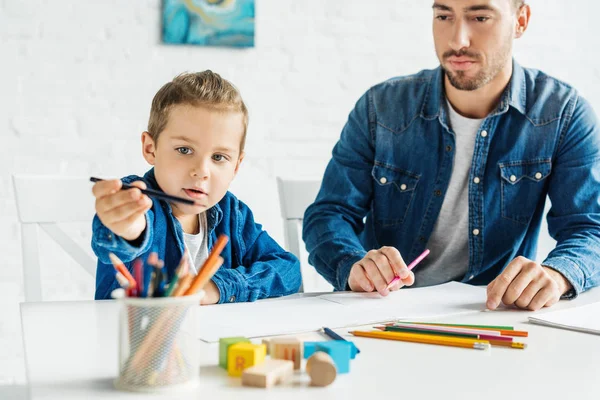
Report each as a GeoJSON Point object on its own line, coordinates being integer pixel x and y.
{"type": "Point", "coordinates": [196, 156]}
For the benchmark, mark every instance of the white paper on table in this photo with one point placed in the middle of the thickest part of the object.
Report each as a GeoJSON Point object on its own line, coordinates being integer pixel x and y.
{"type": "Point", "coordinates": [582, 319]}
{"type": "Point", "coordinates": [336, 310]}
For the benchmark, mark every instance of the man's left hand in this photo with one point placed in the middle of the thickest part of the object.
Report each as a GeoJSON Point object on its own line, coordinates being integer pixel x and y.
{"type": "Point", "coordinates": [527, 285]}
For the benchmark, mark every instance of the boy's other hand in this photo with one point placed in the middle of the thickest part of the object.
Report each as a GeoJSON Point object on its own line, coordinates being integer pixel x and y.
{"type": "Point", "coordinates": [377, 269]}
{"type": "Point", "coordinates": [211, 295]}
{"type": "Point", "coordinates": [527, 285]}
{"type": "Point", "coordinates": [122, 211]}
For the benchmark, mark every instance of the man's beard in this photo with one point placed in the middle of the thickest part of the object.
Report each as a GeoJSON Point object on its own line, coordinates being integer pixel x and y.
{"type": "Point", "coordinates": [460, 80]}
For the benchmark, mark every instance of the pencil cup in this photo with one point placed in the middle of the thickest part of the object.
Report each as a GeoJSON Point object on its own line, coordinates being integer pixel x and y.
{"type": "Point", "coordinates": [158, 345]}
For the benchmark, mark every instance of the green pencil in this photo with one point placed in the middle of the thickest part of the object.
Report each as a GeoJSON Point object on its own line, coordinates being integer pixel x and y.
{"type": "Point", "coordinates": [503, 328]}
{"type": "Point", "coordinates": [428, 332]}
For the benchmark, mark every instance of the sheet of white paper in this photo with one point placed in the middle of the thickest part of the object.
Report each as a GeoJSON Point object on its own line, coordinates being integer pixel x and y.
{"type": "Point", "coordinates": [582, 319]}
{"type": "Point", "coordinates": [336, 310]}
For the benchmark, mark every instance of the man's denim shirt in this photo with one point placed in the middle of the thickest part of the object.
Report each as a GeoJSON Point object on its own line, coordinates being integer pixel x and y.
{"type": "Point", "coordinates": [255, 265]}
{"type": "Point", "coordinates": [393, 163]}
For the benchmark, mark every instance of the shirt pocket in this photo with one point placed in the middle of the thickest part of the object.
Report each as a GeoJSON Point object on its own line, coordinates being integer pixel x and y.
{"type": "Point", "coordinates": [394, 190]}
{"type": "Point", "coordinates": [523, 186]}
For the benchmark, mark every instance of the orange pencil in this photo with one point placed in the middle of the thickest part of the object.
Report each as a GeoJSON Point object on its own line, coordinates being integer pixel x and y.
{"type": "Point", "coordinates": [427, 339]}
{"type": "Point", "coordinates": [119, 266]}
{"type": "Point", "coordinates": [209, 268]}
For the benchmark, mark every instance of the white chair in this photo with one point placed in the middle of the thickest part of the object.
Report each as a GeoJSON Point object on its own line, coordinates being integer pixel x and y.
{"type": "Point", "coordinates": [46, 201]}
{"type": "Point", "coordinates": [294, 197]}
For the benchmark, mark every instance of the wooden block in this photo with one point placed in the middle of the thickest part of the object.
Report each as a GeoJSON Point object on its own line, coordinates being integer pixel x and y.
{"type": "Point", "coordinates": [267, 342]}
{"type": "Point", "coordinates": [287, 349]}
{"type": "Point", "coordinates": [268, 374]}
{"type": "Point", "coordinates": [309, 348]}
{"type": "Point", "coordinates": [244, 355]}
{"type": "Point", "coordinates": [321, 369]}
{"type": "Point", "coordinates": [224, 344]}
{"type": "Point", "coordinates": [340, 351]}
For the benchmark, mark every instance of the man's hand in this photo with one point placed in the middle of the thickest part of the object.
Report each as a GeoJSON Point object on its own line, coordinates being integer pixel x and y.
{"type": "Point", "coordinates": [377, 269]}
{"type": "Point", "coordinates": [527, 285]}
{"type": "Point", "coordinates": [122, 211]}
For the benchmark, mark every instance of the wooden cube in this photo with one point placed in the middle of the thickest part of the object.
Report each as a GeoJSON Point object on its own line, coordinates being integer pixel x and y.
{"type": "Point", "coordinates": [244, 355]}
{"type": "Point", "coordinates": [287, 349]}
{"type": "Point", "coordinates": [268, 374]}
{"type": "Point", "coordinates": [224, 344]}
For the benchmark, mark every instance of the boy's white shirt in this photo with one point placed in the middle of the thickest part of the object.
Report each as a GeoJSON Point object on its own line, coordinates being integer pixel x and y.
{"type": "Point", "coordinates": [197, 245]}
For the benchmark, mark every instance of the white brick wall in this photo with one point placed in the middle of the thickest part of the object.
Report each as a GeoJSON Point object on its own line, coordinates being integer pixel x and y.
{"type": "Point", "coordinates": [77, 78]}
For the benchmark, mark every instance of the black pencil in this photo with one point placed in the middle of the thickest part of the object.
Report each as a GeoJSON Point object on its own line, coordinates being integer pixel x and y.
{"type": "Point", "coordinates": [153, 193]}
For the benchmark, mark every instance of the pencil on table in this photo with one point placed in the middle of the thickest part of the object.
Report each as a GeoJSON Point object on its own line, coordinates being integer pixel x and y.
{"type": "Point", "coordinates": [427, 339]}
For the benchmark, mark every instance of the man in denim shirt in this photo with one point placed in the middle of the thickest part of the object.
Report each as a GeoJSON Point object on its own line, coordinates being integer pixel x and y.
{"type": "Point", "coordinates": [460, 160]}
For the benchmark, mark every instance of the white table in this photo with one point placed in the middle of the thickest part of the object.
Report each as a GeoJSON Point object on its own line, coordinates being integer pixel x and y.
{"type": "Point", "coordinates": [71, 353]}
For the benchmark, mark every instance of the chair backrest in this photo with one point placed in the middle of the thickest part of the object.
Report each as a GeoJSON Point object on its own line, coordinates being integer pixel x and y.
{"type": "Point", "coordinates": [46, 201]}
{"type": "Point", "coordinates": [294, 197]}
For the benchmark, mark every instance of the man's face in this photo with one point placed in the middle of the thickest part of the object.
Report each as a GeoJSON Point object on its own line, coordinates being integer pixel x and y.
{"type": "Point", "coordinates": [473, 39]}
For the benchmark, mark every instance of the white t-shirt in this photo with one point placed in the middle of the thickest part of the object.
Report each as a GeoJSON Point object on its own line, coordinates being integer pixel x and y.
{"type": "Point", "coordinates": [197, 245]}
{"type": "Point", "coordinates": [449, 241]}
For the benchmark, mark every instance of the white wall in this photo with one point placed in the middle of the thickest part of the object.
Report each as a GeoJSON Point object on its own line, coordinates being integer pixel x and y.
{"type": "Point", "coordinates": [77, 78]}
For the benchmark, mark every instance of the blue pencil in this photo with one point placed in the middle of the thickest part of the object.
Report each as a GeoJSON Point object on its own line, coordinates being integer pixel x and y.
{"type": "Point", "coordinates": [335, 336]}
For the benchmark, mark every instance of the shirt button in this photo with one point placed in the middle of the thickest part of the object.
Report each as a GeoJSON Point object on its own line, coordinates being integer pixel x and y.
{"type": "Point", "coordinates": [109, 236]}
{"type": "Point", "coordinates": [471, 277]}
{"type": "Point", "coordinates": [538, 176]}
{"type": "Point", "coordinates": [448, 148]}
{"type": "Point", "coordinates": [513, 178]}
{"type": "Point", "coordinates": [383, 180]}
{"type": "Point", "coordinates": [476, 180]}
{"type": "Point", "coordinates": [475, 232]}
{"type": "Point", "coordinates": [438, 193]}
{"type": "Point", "coordinates": [403, 187]}
{"type": "Point", "coordinates": [232, 299]}
{"type": "Point", "coordinates": [484, 133]}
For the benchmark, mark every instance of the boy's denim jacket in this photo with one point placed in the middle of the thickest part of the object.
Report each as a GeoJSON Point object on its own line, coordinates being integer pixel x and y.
{"type": "Point", "coordinates": [394, 160]}
{"type": "Point", "coordinates": [255, 266]}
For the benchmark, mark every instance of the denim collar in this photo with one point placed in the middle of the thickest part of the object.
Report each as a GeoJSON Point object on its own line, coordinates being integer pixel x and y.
{"type": "Point", "coordinates": [214, 215]}
{"type": "Point", "coordinates": [513, 96]}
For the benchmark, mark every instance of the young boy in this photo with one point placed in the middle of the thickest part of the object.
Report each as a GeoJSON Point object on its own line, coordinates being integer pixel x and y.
{"type": "Point", "coordinates": [195, 142]}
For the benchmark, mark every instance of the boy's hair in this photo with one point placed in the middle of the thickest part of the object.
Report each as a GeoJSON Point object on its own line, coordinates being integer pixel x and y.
{"type": "Point", "coordinates": [206, 89]}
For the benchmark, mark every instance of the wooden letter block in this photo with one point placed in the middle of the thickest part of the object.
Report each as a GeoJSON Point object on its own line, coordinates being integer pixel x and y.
{"type": "Point", "coordinates": [269, 373]}
{"type": "Point", "coordinates": [309, 348]}
{"type": "Point", "coordinates": [287, 349]}
{"type": "Point", "coordinates": [267, 342]}
{"type": "Point", "coordinates": [321, 369]}
{"type": "Point", "coordinates": [224, 344]}
{"type": "Point", "coordinates": [244, 355]}
{"type": "Point", "coordinates": [340, 351]}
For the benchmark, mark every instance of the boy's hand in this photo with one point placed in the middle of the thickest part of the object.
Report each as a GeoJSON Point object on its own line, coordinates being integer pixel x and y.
{"type": "Point", "coordinates": [527, 284]}
{"type": "Point", "coordinates": [211, 295]}
{"type": "Point", "coordinates": [122, 211]}
{"type": "Point", "coordinates": [377, 269]}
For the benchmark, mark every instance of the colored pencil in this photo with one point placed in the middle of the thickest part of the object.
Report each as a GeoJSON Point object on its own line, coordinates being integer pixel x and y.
{"type": "Point", "coordinates": [485, 330]}
{"type": "Point", "coordinates": [494, 340]}
{"type": "Point", "coordinates": [153, 193]}
{"type": "Point", "coordinates": [335, 336]}
{"type": "Point", "coordinates": [428, 339]}
{"type": "Point", "coordinates": [410, 267]}
{"type": "Point", "coordinates": [448, 329]}
{"type": "Point", "coordinates": [119, 266]}
{"type": "Point", "coordinates": [180, 272]}
{"type": "Point", "coordinates": [495, 327]}
{"type": "Point", "coordinates": [209, 267]}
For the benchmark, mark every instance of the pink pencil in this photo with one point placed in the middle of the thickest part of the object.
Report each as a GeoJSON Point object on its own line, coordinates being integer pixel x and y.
{"type": "Point", "coordinates": [410, 266]}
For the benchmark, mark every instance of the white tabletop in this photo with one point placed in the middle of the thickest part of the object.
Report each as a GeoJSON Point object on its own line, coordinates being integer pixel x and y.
{"type": "Point", "coordinates": [71, 353]}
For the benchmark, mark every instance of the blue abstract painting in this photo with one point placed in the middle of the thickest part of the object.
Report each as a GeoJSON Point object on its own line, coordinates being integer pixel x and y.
{"type": "Point", "coordinates": [209, 22]}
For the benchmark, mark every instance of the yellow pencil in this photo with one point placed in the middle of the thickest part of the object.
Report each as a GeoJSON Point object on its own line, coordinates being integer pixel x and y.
{"type": "Point", "coordinates": [428, 339]}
